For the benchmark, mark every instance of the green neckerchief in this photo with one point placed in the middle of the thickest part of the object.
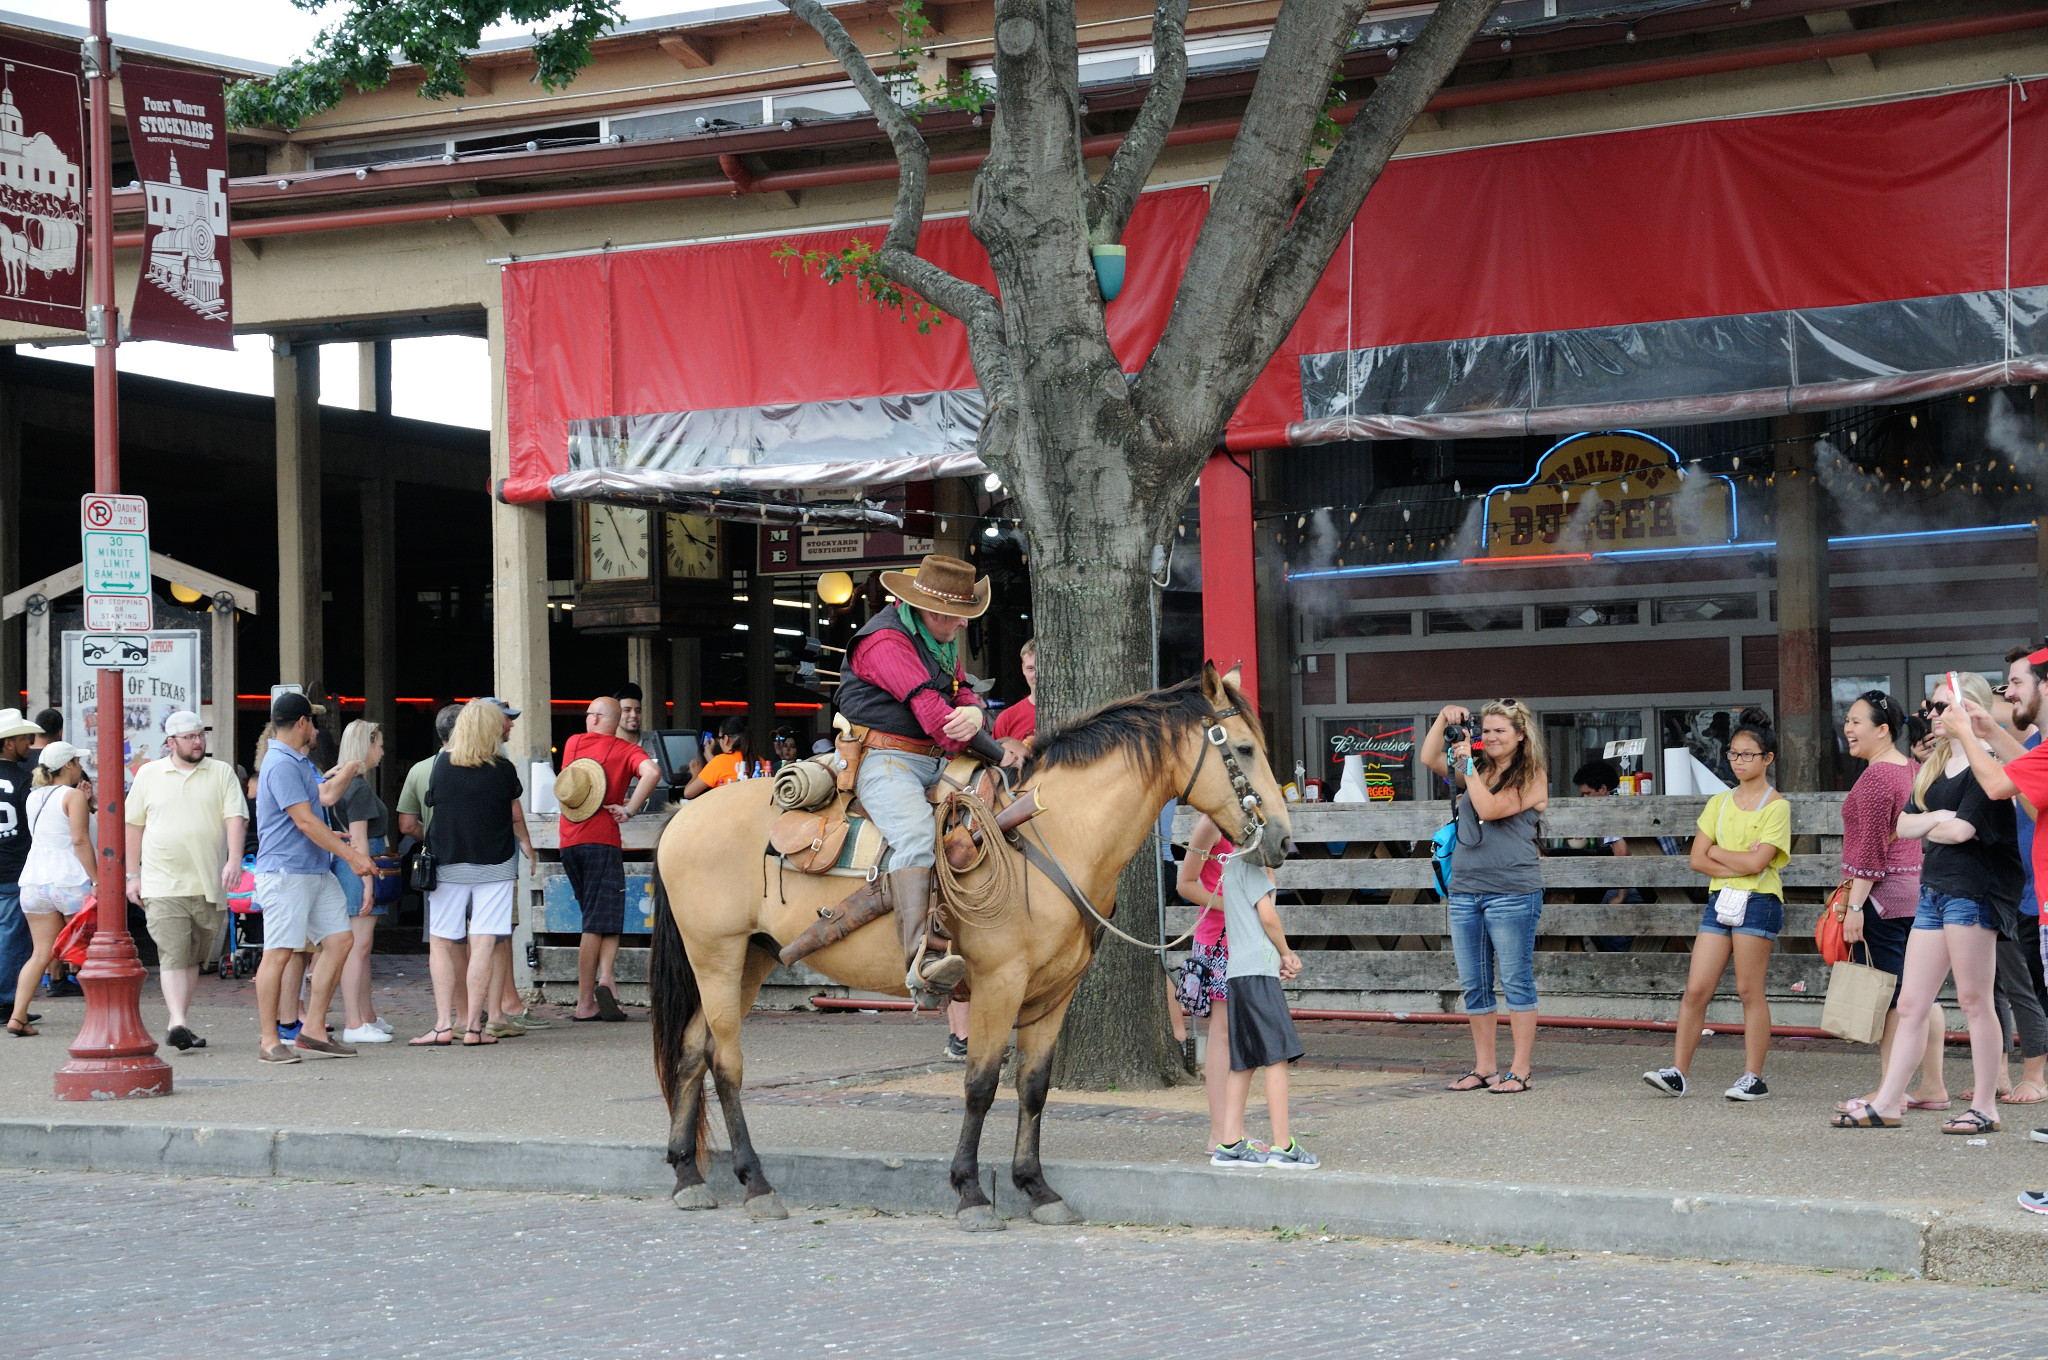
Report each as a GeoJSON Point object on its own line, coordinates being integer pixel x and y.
{"type": "Point", "coordinates": [947, 653]}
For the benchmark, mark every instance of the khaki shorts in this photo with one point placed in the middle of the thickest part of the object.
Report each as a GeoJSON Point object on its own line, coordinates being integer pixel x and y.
{"type": "Point", "coordinates": [185, 929]}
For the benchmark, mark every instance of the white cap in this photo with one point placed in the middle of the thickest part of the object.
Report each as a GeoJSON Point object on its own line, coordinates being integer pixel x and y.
{"type": "Point", "coordinates": [57, 755]}
{"type": "Point", "coordinates": [181, 722]}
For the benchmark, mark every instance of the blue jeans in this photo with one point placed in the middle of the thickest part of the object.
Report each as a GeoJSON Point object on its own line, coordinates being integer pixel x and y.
{"type": "Point", "coordinates": [352, 887]}
{"type": "Point", "coordinates": [1939, 909]}
{"type": "Point", "coordinates": [1496, 928]}
{"type": "Point", "coordinates": [891, 785]}
{"type": "Point", "coordinates": [15, 942]}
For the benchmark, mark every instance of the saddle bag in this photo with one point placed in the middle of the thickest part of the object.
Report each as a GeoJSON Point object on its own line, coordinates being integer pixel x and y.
{"type": "Point", "coordinates": [808, 841]}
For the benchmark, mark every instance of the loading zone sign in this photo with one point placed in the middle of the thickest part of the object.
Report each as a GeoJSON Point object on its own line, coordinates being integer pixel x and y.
{"type": "Point", "coordinates": [114, 532]}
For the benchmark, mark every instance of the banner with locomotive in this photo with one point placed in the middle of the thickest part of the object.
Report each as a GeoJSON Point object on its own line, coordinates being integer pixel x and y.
{"type": "Point", "coordinates": [177, 131]}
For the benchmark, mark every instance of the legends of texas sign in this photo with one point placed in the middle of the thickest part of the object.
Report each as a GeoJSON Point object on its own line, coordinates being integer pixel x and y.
{"type": "Point", "coordinates": [1609, 491]}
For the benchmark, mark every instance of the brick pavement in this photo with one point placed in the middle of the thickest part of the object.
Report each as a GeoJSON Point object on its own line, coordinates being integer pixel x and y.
{"type": "Point", "coordinates": [141, 1268]}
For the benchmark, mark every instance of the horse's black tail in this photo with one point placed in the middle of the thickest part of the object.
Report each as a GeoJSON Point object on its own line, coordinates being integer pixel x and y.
{"type": "Point", "coordinates": [671, 993]}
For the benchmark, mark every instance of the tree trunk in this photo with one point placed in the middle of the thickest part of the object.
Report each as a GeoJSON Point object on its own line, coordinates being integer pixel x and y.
{"type": "Point", "coordinates": [1089, 585]}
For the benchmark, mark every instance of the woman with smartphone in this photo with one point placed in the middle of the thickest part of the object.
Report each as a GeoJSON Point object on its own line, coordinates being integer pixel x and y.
{"type": "Point", "coordinates": [1496, 884]}
{"type": "Point", "coordinates": [1970, 884]}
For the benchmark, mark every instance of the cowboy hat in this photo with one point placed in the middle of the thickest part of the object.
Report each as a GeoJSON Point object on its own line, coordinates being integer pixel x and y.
{"type": "Point", "coordinates": [944, 585]}
{"type": "Point", "coordinates": [579, 788]}
{"type": "Point", "coordinates": [12, 724]}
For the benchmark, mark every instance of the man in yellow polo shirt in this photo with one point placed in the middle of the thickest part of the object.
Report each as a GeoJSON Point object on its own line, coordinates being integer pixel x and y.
{"type": "Point", "coordinates": [185, 858]}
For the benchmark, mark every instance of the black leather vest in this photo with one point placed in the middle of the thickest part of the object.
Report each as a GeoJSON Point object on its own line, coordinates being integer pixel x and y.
{"type": "Point", "coordinates": [869, 705]}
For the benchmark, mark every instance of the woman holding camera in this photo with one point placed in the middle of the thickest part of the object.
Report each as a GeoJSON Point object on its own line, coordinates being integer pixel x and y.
{"type": "Point", "coordinates": [1496, 896]}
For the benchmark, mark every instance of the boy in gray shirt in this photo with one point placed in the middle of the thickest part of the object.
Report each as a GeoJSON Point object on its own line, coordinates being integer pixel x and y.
{"type": "Point", "coordinates": [1261, 1031]}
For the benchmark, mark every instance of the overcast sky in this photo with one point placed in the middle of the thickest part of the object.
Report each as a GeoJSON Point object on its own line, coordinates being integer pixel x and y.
{"type": "Point", "coordinates": [446, 379]}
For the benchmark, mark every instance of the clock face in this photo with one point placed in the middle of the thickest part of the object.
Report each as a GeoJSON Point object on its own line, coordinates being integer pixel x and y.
{"type": "Point", "coordinates": [617, 543]}
{"type": "Point", "coordinates": [691, 543]}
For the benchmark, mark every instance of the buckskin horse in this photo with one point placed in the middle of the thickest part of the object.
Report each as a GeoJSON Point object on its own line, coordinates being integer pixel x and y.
{"type": "Point", "coordinates": [723, 908]}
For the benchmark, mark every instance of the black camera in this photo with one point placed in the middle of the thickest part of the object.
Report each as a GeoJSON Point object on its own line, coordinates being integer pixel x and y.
{"type": "Point", "coordinates": [1455, 733]}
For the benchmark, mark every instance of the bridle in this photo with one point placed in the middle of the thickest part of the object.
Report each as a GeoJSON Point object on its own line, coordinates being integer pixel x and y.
{"type": "Point", "coordinates": [1240, 787]}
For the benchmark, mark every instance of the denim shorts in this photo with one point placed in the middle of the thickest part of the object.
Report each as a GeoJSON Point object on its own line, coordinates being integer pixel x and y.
{"type": "Point", "coordinates": [1496, 930]}
{"type": "Point", "coordinates": [1939, 909]}
{"type": "Point", "coordinates": [352, 886]}
{"type": "Point", "coordinates": [1763, 917]}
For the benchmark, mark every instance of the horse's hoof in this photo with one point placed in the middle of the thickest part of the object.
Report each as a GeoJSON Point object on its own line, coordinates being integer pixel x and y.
{"type": "Point", "coordinates": [766, 1206]}
{"type": "Point", "coordinates": [1054, 1215]}
{"type": "Point", "coordinates": [695, 1197]}
{"type": "Point", "coordinates": [979, 1218]}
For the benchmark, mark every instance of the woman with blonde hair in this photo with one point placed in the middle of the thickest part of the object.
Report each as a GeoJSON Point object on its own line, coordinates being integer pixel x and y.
{"type": "Point", "coordinates": [363, 821]}
{"type": "Point", "coordinates": [1971, 879]}
{"type": "Point", "coordinates": [475, 847]}
{"type": "Point", "coordinates": [56, 878]}
{"type": "Point", "coordinates": [1496, 883]}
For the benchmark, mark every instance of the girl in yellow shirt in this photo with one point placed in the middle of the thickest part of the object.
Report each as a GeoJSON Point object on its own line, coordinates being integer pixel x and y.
{"type": "Point", "coordinates": [1745, 837]}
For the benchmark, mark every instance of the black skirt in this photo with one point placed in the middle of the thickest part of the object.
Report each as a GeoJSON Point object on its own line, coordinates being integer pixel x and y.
{"type": "Point", "coordinates": [1261, 1031]}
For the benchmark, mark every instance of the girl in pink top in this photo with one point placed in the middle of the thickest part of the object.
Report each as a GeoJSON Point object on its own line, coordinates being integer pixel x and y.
{"type": "Point", "coordinates": [1200, 882]}
{"type": "Point", "coordinates": [1883, 873]}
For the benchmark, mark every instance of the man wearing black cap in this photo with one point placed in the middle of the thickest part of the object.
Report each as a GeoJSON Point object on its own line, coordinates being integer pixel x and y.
{"type": "Point", "coordinates": [300, 899]}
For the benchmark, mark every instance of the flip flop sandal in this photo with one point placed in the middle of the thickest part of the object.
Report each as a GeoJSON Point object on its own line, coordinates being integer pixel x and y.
{"type": "Point", "coordinates": [1499, 1088]}
{"type": "Point", "coordinates": [24, 1031]}
{"type": "Point", "coordinates": [1486, 1080]}
{"type": "Point", "coordinates": [1913, 1104]}
{"type": "Point", "coordinates": [1868, 1119]}
{"type": "Point", "coordinates": [428, 1040]}
{"type": "Point", "coordinates": [608, 1005]}
{"type": "Point", "coordinates": [1969, 1122]}
{"type": "Point", "coordinates": [477, 1038]}
{"type": "Point", "coordinates": [2015, 1098]}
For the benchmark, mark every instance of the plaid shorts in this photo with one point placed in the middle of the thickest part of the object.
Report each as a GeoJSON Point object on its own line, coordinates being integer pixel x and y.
{"type": "Point", "coordinates": [597, 875]}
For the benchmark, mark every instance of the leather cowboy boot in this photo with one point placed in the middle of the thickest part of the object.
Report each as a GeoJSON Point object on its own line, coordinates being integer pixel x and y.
{"type": "Point", "coordinates": [911, 890]}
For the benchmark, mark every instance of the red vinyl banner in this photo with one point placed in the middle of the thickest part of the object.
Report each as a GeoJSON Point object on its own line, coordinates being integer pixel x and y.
{"type": "Point", "coordinates": [42, 186]}
{"type": "Point", "coordinates": [177, 131]}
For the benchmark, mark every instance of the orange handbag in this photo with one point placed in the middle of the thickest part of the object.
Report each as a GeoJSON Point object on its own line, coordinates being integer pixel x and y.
{"type": "Point", "coordinates": [1827, 931]}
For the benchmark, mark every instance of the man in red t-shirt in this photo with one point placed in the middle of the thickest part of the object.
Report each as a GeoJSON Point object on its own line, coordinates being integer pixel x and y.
{"type": "Point", "coordinates": [1019, 722]}
{"type": "Point", "coordinates": [594, 858]}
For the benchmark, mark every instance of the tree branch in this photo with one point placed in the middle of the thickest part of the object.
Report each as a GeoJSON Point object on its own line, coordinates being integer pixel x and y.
{"type": "Point", "coordinates": [1111, 201]}
{"type": "Point", "coordinates": [1332, 205]}
{"type": "Point", "coordinates": [898, 256]}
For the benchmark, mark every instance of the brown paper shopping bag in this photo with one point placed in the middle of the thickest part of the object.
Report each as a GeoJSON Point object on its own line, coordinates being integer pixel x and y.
{"type": "Point", "coordinates": [1858, 997]}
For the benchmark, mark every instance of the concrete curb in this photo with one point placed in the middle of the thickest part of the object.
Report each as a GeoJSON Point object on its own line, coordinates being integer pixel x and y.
{"type": "Point", "coordinates": [1798, 1232]}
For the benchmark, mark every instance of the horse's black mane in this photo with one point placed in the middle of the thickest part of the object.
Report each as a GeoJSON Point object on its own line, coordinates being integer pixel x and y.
{"type": "Point", "coordinates": [1146, 728]}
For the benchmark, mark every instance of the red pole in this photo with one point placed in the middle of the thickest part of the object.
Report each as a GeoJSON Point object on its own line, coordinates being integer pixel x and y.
{"type": "Point", "coordinates": [113, 1056]}
{"type": "Point", "coordinates": [1230, 606]}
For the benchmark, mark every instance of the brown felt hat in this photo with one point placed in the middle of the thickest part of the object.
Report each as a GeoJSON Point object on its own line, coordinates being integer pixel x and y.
{"type": "Point", "coordinates": [944, 585]}
{"type": "Point", "coordinates": [579, 788]}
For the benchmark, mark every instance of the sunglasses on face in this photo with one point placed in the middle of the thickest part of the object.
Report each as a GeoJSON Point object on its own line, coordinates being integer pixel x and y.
{"type": "Point", "coordinates": [1936, 710]}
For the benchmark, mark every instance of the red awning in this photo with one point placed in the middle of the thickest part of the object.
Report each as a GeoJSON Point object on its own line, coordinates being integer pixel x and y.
{"type": "Point", "coordinates": [1698, 271]}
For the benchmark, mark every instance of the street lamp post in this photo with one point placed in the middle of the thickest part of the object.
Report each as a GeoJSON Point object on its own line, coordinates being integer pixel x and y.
{"type": "Point", "coordinates": [113, 1056]}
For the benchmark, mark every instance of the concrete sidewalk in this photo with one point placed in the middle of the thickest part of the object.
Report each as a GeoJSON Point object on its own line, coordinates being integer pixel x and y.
{"type": "Point", "coordinates": [1589, 1146]}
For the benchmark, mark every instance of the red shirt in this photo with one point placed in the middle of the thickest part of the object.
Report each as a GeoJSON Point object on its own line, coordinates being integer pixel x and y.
{"type": "Point", "coordinates": [889, 660]}
{"type": "Point", "coordinates": [2030, 773]}
{"type": "Point", "coordinates": [621, 761]}
{"type": "Point", "coordinates": [1018, 721]}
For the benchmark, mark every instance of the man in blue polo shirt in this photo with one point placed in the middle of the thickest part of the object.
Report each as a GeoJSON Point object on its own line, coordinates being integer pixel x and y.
{"type": "Point", "coordinates": [300, 898]}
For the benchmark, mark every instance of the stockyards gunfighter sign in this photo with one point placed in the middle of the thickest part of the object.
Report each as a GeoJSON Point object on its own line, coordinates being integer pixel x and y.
{"type": "Point", "coordinates": [177, 130]}
{"type": "Point", "coordinates": [42, 186]}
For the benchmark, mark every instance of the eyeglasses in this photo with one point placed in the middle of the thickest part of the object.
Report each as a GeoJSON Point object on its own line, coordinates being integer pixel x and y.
{"type": "Point", "coordinates": [1936, 710]}
{"type": "Point", "coordinates": [1744, 756]}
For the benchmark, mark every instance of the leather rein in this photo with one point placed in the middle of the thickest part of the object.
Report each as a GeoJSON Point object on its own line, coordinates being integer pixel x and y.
{"type": "Point", "coordinates": [1041, 857]}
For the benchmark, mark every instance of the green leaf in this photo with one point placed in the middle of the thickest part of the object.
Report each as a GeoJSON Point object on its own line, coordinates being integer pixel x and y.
{"type": "Point", "coordinates": [857, 263]}
{"type": "Point", "coordinates": [360, 51]}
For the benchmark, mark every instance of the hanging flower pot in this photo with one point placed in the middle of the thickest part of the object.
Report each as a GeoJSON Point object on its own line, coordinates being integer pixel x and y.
{"type": "Point", "coordinates": [1109, 270]}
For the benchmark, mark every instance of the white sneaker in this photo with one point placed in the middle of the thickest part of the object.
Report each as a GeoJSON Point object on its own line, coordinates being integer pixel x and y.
{"type": "Point", "coordinates": [365, 1034]}
{"type": "Point", "coordinates": [381, 1023]}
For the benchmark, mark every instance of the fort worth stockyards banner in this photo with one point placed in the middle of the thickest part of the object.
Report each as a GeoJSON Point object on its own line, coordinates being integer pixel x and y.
{"type": "Point", "coordinates": [42, 186]}
{"type": "Point", "coordinates": [177, 128]}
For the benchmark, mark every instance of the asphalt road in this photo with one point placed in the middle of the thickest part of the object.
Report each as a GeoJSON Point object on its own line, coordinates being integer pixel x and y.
{"type": "Point", "coordinates": [138, 1267]}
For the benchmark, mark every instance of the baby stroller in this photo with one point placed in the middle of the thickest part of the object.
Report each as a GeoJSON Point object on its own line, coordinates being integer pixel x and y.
{"type": "Point", "coordinates": [244, 951]}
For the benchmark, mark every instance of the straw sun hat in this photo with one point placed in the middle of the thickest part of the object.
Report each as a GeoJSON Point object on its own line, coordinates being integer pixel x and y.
{"type": "Point", "coordinates": [944, 585]}
{"type": "Point", "coordinates": [579, 788]}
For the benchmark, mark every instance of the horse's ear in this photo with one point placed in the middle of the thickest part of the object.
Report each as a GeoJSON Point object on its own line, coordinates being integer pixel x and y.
{"type": "Point", "coordinates": [1235, 679]}
{"type": "Point", "coordinates": [1212, 683]}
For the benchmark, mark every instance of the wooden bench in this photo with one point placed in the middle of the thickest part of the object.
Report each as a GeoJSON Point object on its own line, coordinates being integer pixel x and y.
{"type": "Point", "coordinates": [1372, 929]}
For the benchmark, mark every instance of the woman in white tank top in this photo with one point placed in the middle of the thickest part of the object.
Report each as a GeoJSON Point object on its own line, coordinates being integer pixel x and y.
{"type": "Point", "coordinates": [57, 876]}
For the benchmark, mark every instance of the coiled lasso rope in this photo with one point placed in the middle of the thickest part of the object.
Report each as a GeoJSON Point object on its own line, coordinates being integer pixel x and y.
{"type": "Point", "coordinates": [989, 902]}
